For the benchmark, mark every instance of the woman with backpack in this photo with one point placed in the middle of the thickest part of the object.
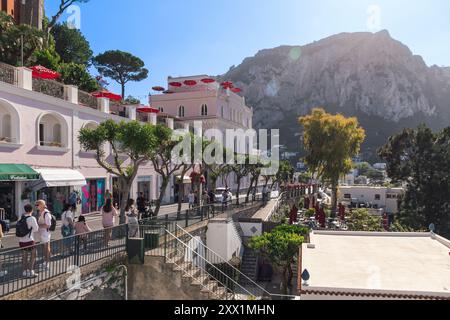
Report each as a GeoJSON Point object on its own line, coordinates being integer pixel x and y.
{"type": "Point", "coordinates": [132, 219]}
{"type": "Point", "coordinates": [109, 214]}
{"type": "Point", "coordinates": [46, 223]}
{"type": "Point", "coordinates": [67, 227]}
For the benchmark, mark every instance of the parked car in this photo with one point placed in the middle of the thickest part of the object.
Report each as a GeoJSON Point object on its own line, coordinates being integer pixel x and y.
{"type": "Point", "coordinates": [218, 194]}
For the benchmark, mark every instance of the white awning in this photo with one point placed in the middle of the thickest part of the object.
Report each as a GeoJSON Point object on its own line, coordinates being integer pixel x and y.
{"type": "Point", "coordinates": [59, 178]}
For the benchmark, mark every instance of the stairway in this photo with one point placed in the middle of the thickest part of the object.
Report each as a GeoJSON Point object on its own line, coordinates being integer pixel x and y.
{"type": "Point", "coordinates": [210, 287]}
{"type": "Point", "coordinates": [249, 266]}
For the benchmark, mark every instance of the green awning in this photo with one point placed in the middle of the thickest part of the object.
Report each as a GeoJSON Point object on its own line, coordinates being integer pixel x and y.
{"type": "Point", "coordinates": [17, 172]}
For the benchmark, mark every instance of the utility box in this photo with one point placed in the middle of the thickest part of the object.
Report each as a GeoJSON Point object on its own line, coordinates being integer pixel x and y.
{"type": "Point", "coordinates": [151, 240]}
{"type": "Point", "coordinates": [135, 250]}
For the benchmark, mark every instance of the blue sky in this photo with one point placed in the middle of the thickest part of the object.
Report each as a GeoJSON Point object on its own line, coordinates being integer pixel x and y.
{"type": "Point", "coordinates": [179, 37]}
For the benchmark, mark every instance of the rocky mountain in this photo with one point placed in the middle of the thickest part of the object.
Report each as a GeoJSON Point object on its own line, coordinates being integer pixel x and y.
{"type": "Point", "coordinates": [371, 76]}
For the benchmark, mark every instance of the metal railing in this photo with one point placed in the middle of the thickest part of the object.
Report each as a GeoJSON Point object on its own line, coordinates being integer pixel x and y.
{"type": "Point", "coordinates": [50, 88]}
{"type": "Point", "coordinates": [8, 73]}
{"type": "Point", "coordinates": [67, 255]}
{"type": "Point", "coordinates": [193, 262]}
{"type": "Point", "coordinates": [7, 140]}
{"type": "Point", "coordinates": [87, 100]}
{"type": "Point", "coordinates": [55, 144]}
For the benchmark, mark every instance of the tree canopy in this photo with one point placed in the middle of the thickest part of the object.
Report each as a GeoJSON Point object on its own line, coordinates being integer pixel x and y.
{"type": "Point", "coordinates": [331, 141]}
{"type": "Point", "coordinates": [131, 143]}
{"type": "Point", "coordinates": [421, 159]}
{"type": "Point", "coordinates": [120, 66]}
{"type": "Point", "coordinates": [71, 45]}
{"type": "Point", "coordinates": [280, 247]}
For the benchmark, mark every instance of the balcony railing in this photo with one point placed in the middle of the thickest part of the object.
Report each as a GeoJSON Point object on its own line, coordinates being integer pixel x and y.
{"type": "Point", "coordinates": [8, 74]}
{"type": "Point", "coordinates": [49, 87]}
{"type": "Point", "coordinates": [87, 100]}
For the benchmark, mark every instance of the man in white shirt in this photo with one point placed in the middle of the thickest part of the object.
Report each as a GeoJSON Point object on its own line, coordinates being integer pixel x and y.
{"type": "Point", "coordinates": [27, 243]}
{"type": "Point", "coordinates": [191, 198]}
{"type": "Point", "coordinates": [44, 222]}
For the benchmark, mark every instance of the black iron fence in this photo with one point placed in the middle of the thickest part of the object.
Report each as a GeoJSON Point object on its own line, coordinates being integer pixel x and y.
{"type": "Point", "coordinates": [26, 267]}
{"type": "Point", "coordinates": [77, 251]}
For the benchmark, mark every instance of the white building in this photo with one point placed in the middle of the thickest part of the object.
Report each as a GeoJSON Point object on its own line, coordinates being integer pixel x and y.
{"type": "Point", "coordinates": [379, 197]}
{"type": "Point", "coordinates": [375, 265]}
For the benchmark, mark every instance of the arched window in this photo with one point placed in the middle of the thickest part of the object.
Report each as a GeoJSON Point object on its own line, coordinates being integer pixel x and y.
{"type": "Point", "coordinates": [52, 131]}
{"type": "Point", "coordinates": [204, 110]}
{"type": "Point", "coordinates": [181, 111]}
{"type": "Point", "coordinates": [6, 127]}
{"type": "Point", "coordinates": [57, 133]}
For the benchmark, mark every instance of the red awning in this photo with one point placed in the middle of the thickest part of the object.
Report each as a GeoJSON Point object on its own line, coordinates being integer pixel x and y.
{"type": "Point", "coordinates": [190, 82]}
{"type": "Point", "coordinates": [107, 94]}
{"type": "Point", "coordinates": [175, 84]}
{"type": "Point", "coordinates": [147, 109]}
{"type": "Point", "coordinates": [208, 80]}
{"type": "Point", "coordinates": [44, 73]}
{"type": "Point", "coordinates": [157, 88]}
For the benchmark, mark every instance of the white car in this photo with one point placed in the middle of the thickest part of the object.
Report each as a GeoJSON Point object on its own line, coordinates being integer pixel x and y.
{"type": "Point", "coordinates": [218, 194]}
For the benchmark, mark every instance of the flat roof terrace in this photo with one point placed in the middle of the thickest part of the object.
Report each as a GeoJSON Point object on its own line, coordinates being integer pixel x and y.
{"type": "Point", "coordinates": [364, 262]}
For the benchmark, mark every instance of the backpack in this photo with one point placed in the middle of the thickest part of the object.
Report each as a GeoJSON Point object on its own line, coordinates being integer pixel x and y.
{"type": "Point", "coordinates": [67, 230]}
{"type": "Point", "coordinates": [22, 229]}
{"type": "Point", "coordinates": [53, 224]}
{"type": "Point", "coordinates": [5, 226]}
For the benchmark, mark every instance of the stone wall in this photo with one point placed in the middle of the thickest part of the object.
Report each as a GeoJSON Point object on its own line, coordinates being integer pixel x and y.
{"type": "Point", "coordinates": [97, 279]}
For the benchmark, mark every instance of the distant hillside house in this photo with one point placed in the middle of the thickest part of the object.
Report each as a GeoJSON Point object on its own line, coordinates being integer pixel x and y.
{"type": "Point", "coordinates": [379, 197]}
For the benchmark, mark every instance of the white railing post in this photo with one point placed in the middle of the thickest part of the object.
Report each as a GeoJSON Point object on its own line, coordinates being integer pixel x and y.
{"type": "Point", "coordinates": [71, 93]}
{"type": "Point", "coordinates": [103, 105]}
{"type": "Point", "coordinates": [132, 110]}
{"type": "Point", "coordinates": [152, 118]}
{"type": "Point", "coordinates": [170, 124]}
{"type": "Point", "coordinates": [25, 78]}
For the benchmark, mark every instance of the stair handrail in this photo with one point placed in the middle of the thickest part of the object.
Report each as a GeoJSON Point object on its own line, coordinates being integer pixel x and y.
{"type": "Point", "coordinates": [204, 269]}
{"type": "Point", "coordinates": [239, 272]}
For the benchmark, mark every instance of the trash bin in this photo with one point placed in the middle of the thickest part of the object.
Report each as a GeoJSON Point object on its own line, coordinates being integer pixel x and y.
{"type": "Point", "coordinates": [151, 240]}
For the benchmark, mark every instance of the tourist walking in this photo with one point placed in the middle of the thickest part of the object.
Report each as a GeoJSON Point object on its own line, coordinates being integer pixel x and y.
{"type": "Point", "coordinates": [224, 199]}
{"type": "Point", "coordinates": [81, 230]}
{"type": "Point", "coordinates": [191, 199]}
{"type": "Point", "coordinates": [140, 202]}
{"type": "Point", "coordinates": [25, 228]}
{"type": "Point", "coordinates": [67, 227]}
{"type": "Point", "coordinates": [109, 214]}
{"type": "Point", "coordinates": [2, 272]}
{"type": "Point", "coordinates": [46, 224]}
{"type": "Point", "coordinates": [132, 219]}
{"type": "Point", "coordinates": [73, 200]}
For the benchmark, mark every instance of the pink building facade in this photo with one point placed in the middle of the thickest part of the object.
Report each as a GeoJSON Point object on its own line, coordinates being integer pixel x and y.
{"type": "Point", "coordinates": [213, 106]}
{"type": "Point", "coordinates": [40, 130]}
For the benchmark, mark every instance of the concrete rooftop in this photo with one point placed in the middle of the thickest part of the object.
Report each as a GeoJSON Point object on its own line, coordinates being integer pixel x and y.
{"type": "Point", "coordinates": [397, 262]}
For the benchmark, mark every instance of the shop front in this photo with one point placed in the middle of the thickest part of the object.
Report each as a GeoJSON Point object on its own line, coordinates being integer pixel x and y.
{"type": "Point", "coordinates": [93, 195]}
{"type": "Point", "coordinates": [144, 185]}
{"type": "Point", "coordinates": [56, 186]}
{"type": "Point", "coordinates": [12, 177]}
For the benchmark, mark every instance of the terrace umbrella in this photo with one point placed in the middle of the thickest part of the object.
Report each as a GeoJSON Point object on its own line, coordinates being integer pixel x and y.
{"type": "Point", "coordinates": [227, 85]}
{"type": "Point", "coordinates": [158, 88]}
{"type": "Point", "coordinates": [107, 94]}
{"type": "Point", "coordinates": [44, 73]}
{"type": "Point", "coordinates": [147, 109]}
{"type": "Point", "coordinates": [208, 80]}
{"type": "Point", "coordinates": [190, 82]}
{"type": "Point", "coordinates": [175, 84]}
